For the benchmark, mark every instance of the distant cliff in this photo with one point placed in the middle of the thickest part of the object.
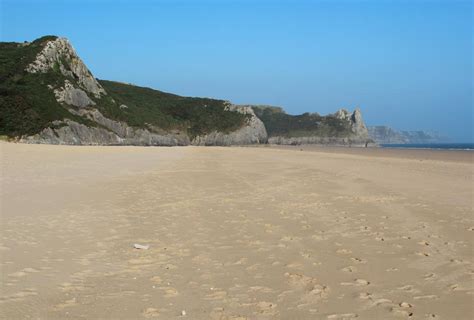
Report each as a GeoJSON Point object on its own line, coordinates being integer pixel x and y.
{"type": "Point", "coordinates": [341, 128]}
{"type": "Point", "coordinates": [48, 95]}
{"type": "Point", "coordinates": [387, 135]}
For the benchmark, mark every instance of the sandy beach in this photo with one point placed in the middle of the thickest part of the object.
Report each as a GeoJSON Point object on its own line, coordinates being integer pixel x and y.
{"type": "Point", "coordinates": [235, 233]}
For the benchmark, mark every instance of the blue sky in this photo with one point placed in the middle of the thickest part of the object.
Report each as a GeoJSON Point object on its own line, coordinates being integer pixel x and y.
{"type": "Point", "coordinates": [407, 64]}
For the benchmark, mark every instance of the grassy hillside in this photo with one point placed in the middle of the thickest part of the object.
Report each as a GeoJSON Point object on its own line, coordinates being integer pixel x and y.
{"type": "Point", "coordinates": [279, 123]}
{"type": "Point", "coordinates": [26, 104]}
{"type": "Point", "coordinates": [168, 111]}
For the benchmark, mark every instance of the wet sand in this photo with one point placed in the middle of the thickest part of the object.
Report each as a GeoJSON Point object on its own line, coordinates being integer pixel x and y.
{"type": "Point", "coordinates": [235, 233]}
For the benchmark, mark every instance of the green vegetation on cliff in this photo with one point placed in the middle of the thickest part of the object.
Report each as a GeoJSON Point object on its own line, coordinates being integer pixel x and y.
{"type": "Point", "coordinates": [279, 123]}
{"type": "Point", "coordinates": [28, 103]}
{"type": "Point", "coordinates": [168, 111]}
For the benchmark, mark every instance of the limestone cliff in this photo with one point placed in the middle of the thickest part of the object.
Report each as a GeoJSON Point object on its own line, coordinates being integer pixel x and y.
{"type": "Point", "coordinates": [59, 53]}
{"type": "Point", "coordinates": [342, 128]}
{"type": "Point", "coordinates": [253, 133]}
{"type": "Point", "coordinates": [76, 109]}
{"type": "Point", "coordinates": [48, 95]}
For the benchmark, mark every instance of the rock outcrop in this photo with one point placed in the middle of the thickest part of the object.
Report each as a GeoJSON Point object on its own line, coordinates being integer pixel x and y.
{"type": "Point", "coordinates": [355, 122]}
{"type": "Point", "coordinates": [312, 131]}
{"type": "Point", "coordinates": [119, 133]}
{"type": "Point", "coordinates": [55, 99]}
{"type": "Point", "coordinates": [253, 132]}
{"type": "Point", "coordinates": [72, 133]}
{"type": "Point", "coordinates": [59, 54]}
{"type": "Point", "coordinates": [72, 96]}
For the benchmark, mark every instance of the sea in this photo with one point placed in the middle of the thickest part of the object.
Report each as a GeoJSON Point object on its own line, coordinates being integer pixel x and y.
{"type": "Point", "coordinates": [437, 146]}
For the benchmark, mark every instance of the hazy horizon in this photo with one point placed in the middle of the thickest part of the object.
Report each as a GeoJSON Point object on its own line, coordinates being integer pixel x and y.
{"type": "Point", "coordinates": [406, 64]}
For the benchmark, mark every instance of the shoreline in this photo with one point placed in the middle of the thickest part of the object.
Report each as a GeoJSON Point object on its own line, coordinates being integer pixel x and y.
{"type": "Point", "coordinates": [422, 154]}
{"type": "Point", "coordinates": [464, 156]}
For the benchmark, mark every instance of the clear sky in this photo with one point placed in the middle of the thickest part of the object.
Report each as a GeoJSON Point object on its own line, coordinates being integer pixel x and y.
{"type": "Point", "coordinates": [407, 64]}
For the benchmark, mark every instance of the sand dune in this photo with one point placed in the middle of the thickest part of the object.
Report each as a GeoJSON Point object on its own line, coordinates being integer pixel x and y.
{"type": "Point", "coordinates": [235, 233]}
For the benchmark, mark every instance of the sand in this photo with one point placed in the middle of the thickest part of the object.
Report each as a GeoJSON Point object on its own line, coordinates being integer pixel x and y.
{"type": "Point", "coordinates": [235, 233]}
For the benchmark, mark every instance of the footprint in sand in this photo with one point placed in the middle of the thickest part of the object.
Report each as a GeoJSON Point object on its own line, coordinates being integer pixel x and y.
{"type": "Point", "coordinates": [343, 251]}
{"type": "Point", "coordinates": [156, 279]}
{"type": "Point", "coordinates": [18, 274]}
{"type": "Point", "coordinates": [19, 296]}
{"type": "Point", "coordinates": [170, 292]}
{"type": "Point", "coordinates": [400, 311]}
{"type": "Point", "coordinates": [22, 273]}
{"type": "Point", "coordinates": [358, 260]}
{"type": "Point", "coordinates": [423, 254]}
{"type": "Point", "coordinates": [409, 288]}
{"type": "Point", "coordinates": [356, 282]}
{"type": "Point", "coordinates": [365, 296]}
{"type": "Point", "coordinates": [65, 304]}
{"type": "Point", "coordinates": [150, 313]}
{"type": "Point", "coordinates": [266, 308]}
{"type": "Point", "coordinates": [319, 237]}
{"type": "Point", "coordinates": [313, 290]}
{"type": "Point", "coordinates": [456, 261]}
{"type": "Point", "coordinates": [342, 316]}
{"type": "Point", "coordinates": [429, 296]}
{"type": "Point", "coordinates": [260, 289]}
{"type": "Point", "coordinates": [381, 301]}
{"type": "Point", "coordinates": [216, 295]}
{"type": "Point", "coordinates": [290, 238]}
{"type": "Point", "coordinates": [429, 276]}
{"type": "Point", "coordinates": [349, 269]}
{"type": "Point", "coordinates": [457, 287]}
{"type": "Point", "coordinates": [219, 314]}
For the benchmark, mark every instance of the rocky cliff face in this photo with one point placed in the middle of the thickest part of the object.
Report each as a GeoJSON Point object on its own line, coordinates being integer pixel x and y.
{"type": "Point", "coordinates": [253, 133]}
{"type": "Point", "coordinates": [342, 128]}
{"type": "Point", "coordinates": [50, 96]}
{"type": "Point", "coordinates": [355, 122]}
{"type": "Point", "coordinates": [79, 92]}
{"type": "Point", "coordinates": [60, 54]}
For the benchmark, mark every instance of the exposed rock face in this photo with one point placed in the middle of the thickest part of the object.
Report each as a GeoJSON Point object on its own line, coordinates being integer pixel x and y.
{"type": "Point", "coordinates": [358, 138]}
{"type": "Point", "coordinates": [85, 98]}
{"type": "Point", "coordinates": [72, 96]}
{"type": "Point", "coordinates": [119, 133]}
{"type": "Point", "coordinates": [356, 122]}
{"type": "Point", "coordinates": [73, 133]}
{"type": "Point", "coordinates": [60, 54]}
{"type": "Point", "coordinates": [133, 136]}
{"type": "Point", "coordinates": [252, 133]}
{"type": "Point", "coordinates": [113, 132]}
